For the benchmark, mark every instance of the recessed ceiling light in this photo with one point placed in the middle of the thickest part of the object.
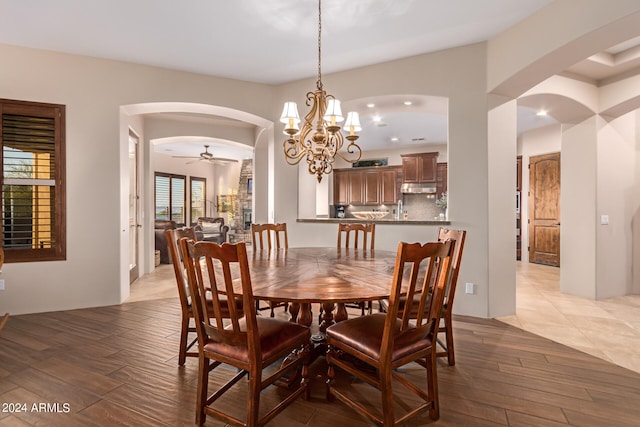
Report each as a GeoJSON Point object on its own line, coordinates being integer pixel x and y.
{"type": "Point", "coordinates": [371, 105]}
{"type": "Point", "coordinates": [408, 102]}
{"type": "Point", "coordinates": [376, 119]}
{"type": "Point", "coordinates": [394, 139]}
{"type": "Point", "coordinates": [541, 113]}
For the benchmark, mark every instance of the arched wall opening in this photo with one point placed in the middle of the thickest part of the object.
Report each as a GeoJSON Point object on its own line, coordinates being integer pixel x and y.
{"type": "Point", "coordinates": [132, 117]}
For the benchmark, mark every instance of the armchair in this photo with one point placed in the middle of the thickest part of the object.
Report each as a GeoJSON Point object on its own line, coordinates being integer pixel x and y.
{"type": "Point", "coordinates": [211, 229]}
{"type": "Point", "coordinates": [161, 239]}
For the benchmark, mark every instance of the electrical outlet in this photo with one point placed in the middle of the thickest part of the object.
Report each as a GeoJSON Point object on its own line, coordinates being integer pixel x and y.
{"type": "Point", "coordinates": [1, 284]}
{"type": "Point", "coordinates": [470, 289]}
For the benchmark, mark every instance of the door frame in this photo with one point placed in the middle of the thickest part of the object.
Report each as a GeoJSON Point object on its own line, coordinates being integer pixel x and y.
{"type": "Point", "coordinates": [134, 222]}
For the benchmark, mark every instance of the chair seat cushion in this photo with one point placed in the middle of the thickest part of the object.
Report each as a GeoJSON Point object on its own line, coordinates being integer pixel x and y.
{"type": "Point", "coordinates": [364, 335]}
{"type": "Point", "coordinates": [277, 337]}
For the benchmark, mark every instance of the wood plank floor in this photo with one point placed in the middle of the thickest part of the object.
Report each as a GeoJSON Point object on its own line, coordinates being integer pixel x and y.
{"type": "Point", "coordinates": [117, 365]}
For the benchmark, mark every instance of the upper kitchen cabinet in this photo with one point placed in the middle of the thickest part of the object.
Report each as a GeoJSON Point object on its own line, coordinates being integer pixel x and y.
{"type": "Point", "coordinates": [419, 168]}
{"type": "Point", "coordinates": [390, 181]}
{"type": "Point", "coordinates": [366, 186]}
{"type": "Point", "coordinates": [357, 187]}
{"type": "Point", "coordinates": [341, 187]}
{"type": "Point", "coordinates": [372, 187]}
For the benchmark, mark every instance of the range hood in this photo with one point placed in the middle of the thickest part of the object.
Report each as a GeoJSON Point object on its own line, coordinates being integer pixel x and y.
{"type": "Point", "coordinates": [410, 188]}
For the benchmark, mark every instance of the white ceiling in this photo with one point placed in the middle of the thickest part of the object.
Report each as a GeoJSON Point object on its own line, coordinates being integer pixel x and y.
{"type": "Point", "coordinates": [228, 39]}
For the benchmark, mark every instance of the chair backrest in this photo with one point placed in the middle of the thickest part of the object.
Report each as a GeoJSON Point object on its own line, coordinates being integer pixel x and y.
{"type": "Point", "coordinates": [212, 270]}
{"type": "Point", "coordinates": [368, 231]}
{"type": "Point", "coordinates": [459, 236]}
{"type": "Point", "coordinates": [260, 231]}
{"type": "Point", "coordinates": [417, 267]}
{"type": "Point", "coordinates": [3, 321]}
{"type": "Point", "coordinates": [173, 236]}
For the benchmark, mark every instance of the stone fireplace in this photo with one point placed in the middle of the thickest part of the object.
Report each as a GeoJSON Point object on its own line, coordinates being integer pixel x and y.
{"type": "Point", "coordinates": [243, 215]}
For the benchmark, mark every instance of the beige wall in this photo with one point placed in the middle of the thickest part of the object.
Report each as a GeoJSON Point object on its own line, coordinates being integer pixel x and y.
{"type": "Point", "coordinates": [97, 232]}
{"type": "Point", "coordinates": [556, 37]}
{"type": "Point", "coordinates": [93, 90]}
{"type": "Point", "coordinates": [578, 209]}
{"type": "Point", "coordinates": [617, 197]}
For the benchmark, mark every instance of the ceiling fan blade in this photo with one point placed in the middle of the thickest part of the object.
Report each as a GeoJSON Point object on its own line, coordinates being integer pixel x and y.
{"type": "Point", "coordinates": [193, 161]}
{"type": "Point", "coordinates": [222, 160]}
{"type": "Point", "coordinates": [186, 157]}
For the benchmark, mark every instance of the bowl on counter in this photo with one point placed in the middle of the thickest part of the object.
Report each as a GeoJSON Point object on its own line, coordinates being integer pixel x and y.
{"type": "Point", "coordinates": [370, 214]}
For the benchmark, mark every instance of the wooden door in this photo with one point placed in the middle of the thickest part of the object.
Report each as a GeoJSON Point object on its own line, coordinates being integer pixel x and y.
{"type": "Point", "coordinates": [544, 209]}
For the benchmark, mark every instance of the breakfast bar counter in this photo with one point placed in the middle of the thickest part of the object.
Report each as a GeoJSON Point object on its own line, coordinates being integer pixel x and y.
{"type": "Point", "coordinates": [381, 221]}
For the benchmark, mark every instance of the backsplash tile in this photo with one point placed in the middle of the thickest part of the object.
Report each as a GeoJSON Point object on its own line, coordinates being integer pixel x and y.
{"type": "Point", "coordinates": [418, 207]}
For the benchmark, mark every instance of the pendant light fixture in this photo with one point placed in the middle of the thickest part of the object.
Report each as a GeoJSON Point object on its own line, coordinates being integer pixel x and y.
{"type": "Point", "coordinates": [320, 139]}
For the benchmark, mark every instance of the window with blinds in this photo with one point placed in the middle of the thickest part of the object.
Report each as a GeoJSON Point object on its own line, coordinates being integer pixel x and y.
{"type": "Point", "coordinates": [197, 197]}
{"type": "Point", "coordinates": [33, 190]}
{"type": "Point", "coordinates": [170, 197]}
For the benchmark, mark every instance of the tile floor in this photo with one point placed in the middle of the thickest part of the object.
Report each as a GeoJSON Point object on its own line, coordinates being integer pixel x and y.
{"type": "Point", "coordinates": [608, 329]}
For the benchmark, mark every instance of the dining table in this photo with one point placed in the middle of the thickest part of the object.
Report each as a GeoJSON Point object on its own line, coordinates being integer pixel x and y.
{"type": "Point", "coordinates": [329, 276]}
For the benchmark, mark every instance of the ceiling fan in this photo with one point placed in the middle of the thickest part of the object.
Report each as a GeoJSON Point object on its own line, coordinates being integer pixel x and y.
{"type": "Point", "coordinates": [208, 157]}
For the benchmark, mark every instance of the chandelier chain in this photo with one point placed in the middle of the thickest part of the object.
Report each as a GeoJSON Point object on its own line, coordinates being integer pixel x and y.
{"type": "Point", "coordinates": [319, 82]}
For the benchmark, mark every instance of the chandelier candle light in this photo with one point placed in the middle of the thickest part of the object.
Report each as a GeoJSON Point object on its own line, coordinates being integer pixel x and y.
{"type": "Point", "coordinates": [321, 145]}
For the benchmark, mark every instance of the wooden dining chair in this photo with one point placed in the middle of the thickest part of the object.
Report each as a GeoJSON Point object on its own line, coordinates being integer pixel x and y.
{"type": "Point", "coordinates": [363, 233]}
{"type": "Point", "coordinates": [173, 236]}
{"type": "Point", "coordinates": [261, 233]}
{"type": "Point", "coordinates": [446, 324]}
{"type": "Point", "coordinates": [373, 348]}
{"type": "Point", "coordinates": [249, 343]}
{"type": "Point", "coordinates": [3, 321]}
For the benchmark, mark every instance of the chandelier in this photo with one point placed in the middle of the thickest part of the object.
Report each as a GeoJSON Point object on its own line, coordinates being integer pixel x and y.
{"type": "Point", "coordinates": [320, 139]}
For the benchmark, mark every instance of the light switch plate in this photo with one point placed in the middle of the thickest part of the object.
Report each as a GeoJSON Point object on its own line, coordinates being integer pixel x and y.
{"type": "Point", "coordinates": [604, 219]}
{"type": "Point", "coordinates": [470, 289]}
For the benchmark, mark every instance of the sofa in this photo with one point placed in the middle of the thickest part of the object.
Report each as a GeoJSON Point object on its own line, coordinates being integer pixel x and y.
{"type": "Point", "coordinates": [211, 229]}
{"type": "Point", "coordinates": [161, 239]}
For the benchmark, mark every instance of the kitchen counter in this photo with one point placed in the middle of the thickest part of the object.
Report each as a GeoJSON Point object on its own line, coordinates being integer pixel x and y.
{"type": "Point", "coordinates": [384, 221]}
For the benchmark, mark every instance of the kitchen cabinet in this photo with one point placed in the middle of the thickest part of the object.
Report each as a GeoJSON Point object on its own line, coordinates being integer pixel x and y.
{"type": "Point", "coordinates": [419, 168]}
{"type": "Point", "coordinates": [357, 188]}
{"type": "Point", "coordinates": [341, 187]}
{"type": "Point", "coordinates": [372, 187]}
{"type": "Point", "coordinates": [367, 186]}
{"type": "Point", "coordinates": [390, 181]}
